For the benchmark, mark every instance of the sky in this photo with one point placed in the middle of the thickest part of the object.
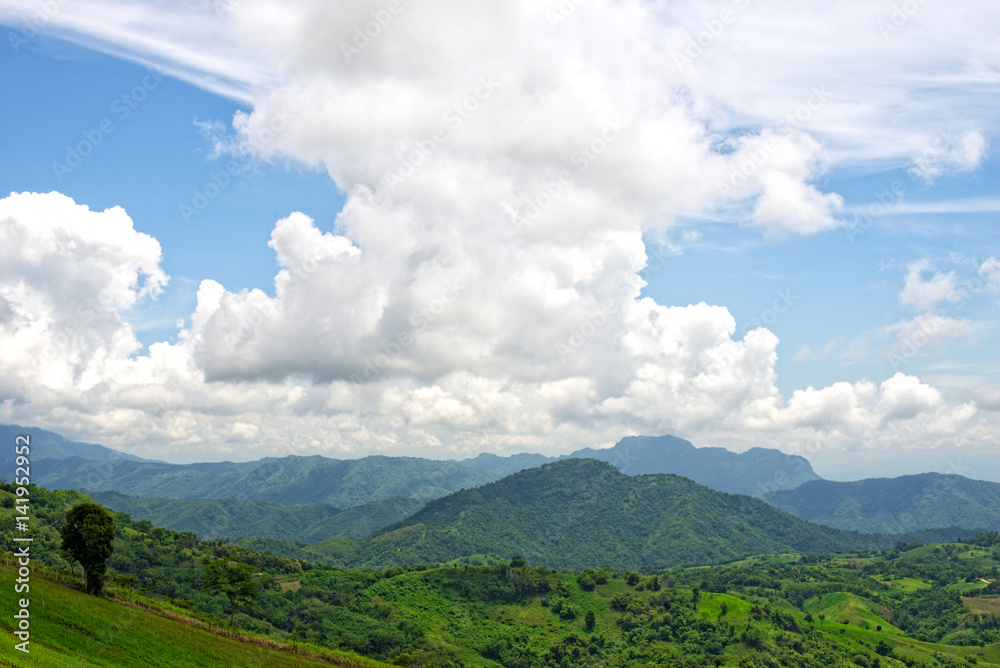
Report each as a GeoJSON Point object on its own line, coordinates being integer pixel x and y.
{"type": "Point", "coordinates": [250, 228]}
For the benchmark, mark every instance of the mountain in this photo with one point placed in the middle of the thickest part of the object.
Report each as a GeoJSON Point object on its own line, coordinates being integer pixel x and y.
{"type": "Point", "coordinates": [292, 479]}
{"type": "Point", "coordinates": [754, 472]}
{"type": "Point", "coordinates": [47, 445]}
{"type": "Point", "coordinates": [234, 518]}
{"type": "Point", "coordinates": [504, 466]}
{"type": "Point", "coordinates": [895, 505]}
{"type": "Point", "coordinates": [585, 513]}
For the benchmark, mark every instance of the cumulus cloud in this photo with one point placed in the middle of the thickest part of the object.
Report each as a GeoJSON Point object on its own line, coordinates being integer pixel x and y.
{"type": "Point", "coordinates": [66, 274]}
{"type": "Point", "coordinates": [906, 397]}
{"type": "Point", "coordinates": [349, 358]}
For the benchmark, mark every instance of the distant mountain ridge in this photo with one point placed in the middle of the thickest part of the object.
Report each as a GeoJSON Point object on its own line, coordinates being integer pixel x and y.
{"type": "Point", "coordinates": [754, 472]}
{"type": "Point", "coordinates": [895, 505]}
{"type": "Point", "coordinates": [291, 479]}
{"type": "Point", "coordinates": [47, 445]}
{"type": "Point", "coordinates": [62, 464]}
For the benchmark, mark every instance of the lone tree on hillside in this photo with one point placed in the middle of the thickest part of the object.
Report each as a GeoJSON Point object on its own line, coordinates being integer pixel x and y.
{"type": "Point", "coordinates": [88, 539]}
{"type": "Point", "coordinates": [231, 579]}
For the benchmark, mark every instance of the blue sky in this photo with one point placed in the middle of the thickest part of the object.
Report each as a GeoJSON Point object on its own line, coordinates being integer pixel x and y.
{"type": "Point", "coordinates": [777, 309]}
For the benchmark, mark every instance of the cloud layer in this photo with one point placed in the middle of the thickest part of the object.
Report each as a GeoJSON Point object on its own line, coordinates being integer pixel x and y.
{"type": "Point", "coordinates": [502, 164]}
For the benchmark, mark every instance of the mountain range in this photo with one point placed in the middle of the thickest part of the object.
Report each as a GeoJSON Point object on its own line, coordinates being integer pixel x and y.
{"type": "Point", "coordinates": [59, 463]}
{"type": "Point", "coordinates": [583, 513]}
{"type": "Point", "coordinates": [313, 500]}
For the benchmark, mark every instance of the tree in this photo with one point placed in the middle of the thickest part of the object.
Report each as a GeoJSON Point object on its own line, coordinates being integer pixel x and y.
{"type": "Point", "coordinates": [518, 562]}
{"type": "Point", "coordinates": [88, 539]}
{"type": "Point", "coordinates": [231, 579]}
{"type": "Point", "coordinates": [590, 620]}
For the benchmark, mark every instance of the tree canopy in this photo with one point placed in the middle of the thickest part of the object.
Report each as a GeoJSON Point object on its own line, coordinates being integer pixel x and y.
{"type": "Point", "coordinates": [88, 539]}
{"type": "Point", "coordinates": [231, 579]}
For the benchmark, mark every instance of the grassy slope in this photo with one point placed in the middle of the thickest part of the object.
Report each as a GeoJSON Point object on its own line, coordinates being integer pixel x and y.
{"type": "Point", "coordinates": [69, 628]}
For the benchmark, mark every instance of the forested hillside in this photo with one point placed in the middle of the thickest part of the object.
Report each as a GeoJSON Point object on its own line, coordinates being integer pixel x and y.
{"type": "Point", "coordinates": [580, 513]}
{"type": "Point", "coordinates": [896, 505]}
{"type": "Point", "coordinates": [235, 518]}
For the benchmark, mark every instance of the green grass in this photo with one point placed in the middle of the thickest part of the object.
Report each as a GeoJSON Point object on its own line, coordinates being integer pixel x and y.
{"type": "Point", "coordinates": [909, 584]}
{"type": "Point", "coordinates": [70, 628]}
{"type": "Point", "coordinates": [840, 607]}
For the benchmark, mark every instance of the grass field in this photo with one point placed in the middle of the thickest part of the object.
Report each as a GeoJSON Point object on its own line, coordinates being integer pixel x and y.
{"type": "Point", "coordinates": [70, 628]}
{"type": "Point", "coordinates": [983, 606]}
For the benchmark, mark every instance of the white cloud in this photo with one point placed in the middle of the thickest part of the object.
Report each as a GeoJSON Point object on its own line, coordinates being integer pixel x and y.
{"type": "Point", "coordinates": [924, 334]}
{"type": "Point", "coordinates": [925, 295]}
{"type": "Point", "coordinates": [946, 154]}
{"type": "Point", "coordinates": [906, 397]}
{"type": "Point", "coordinates": [990, 271]}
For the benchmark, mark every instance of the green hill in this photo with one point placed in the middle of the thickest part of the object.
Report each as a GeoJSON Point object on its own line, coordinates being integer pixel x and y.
{"type": "Point", "coordinates": [896, 505]}
{"type": "Point", "coordinates": [584, 513]}
{"type": "Point", "coordinates": [235, 518]}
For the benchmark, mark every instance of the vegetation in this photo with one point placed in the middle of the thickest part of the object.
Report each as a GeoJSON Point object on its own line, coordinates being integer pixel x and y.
{"type": "Point", "coordinates": [87, 539]}
{"type": "Point", "coordinates": [70, 628]}
{"type": "Point", "coordinates": [235, 518]}
{"type": "Point", "coordinates": [339, 483]}
{"type": "Point", "coordinates": [896, 505]}
{"type": "Point", "coordinates": [232, 579]}
{"type": "Point", "coordinates": [912, 604]}
{"type": "Point", "coordinates": [579, 513]}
